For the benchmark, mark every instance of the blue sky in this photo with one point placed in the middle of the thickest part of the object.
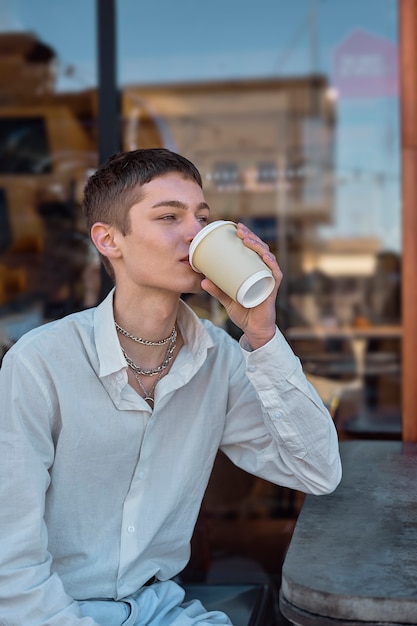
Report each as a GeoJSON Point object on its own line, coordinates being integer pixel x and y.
{"type": "Point", "coordinates": [162, 40]}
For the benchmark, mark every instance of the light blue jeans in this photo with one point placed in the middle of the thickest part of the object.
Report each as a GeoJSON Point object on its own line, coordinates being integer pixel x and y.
{"type": "Point", "coordinates": [160, 604]}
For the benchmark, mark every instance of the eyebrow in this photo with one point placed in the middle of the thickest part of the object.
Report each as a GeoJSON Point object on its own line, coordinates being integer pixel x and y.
{"type": "Point", "coordinates": [176, 204]}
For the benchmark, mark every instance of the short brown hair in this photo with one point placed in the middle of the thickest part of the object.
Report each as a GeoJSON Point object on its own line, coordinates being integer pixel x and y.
{"type": "Point", "coordinates": [116, 185]}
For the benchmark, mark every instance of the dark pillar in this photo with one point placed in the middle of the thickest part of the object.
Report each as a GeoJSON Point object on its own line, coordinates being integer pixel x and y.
{"type": "Point", "coordinates": [108, 95]}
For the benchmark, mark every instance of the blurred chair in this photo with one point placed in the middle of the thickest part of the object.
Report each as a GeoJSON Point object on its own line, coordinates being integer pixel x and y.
{"type": "Point", "coordinates": [331, 391]}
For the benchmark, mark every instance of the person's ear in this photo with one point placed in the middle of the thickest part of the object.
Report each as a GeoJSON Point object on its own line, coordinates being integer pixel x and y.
{"type": "Point", "coordinates": [105, 239]}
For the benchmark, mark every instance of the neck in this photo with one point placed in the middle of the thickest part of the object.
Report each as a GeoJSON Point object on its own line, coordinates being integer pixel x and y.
{"type": "Point", "coordinates": [151, 318]}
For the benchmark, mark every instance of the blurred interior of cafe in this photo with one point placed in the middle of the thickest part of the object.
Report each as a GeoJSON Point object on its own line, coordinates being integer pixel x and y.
{"type": "Point", "coordinates": [292, 112]}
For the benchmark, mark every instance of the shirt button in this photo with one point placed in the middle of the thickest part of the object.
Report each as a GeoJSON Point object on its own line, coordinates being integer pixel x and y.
{"type": "Point", "coordinates": [251, 368]}
{"type": "Point", "coordinates": [130, 529]}
{"type": "Point", "coordinates": [277, 415]}
{"type": "Point", "coordinates": [141, 475]}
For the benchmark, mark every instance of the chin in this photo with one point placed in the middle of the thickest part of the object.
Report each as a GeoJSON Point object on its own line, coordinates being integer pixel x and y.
{"type": "Point", "coordinates": [194, 285]}
{"type": "Point", "coordinates": [196, 288]}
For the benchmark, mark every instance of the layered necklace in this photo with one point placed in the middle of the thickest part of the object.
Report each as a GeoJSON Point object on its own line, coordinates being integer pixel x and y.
{"type": "Point", "coordinates": [158, 371]}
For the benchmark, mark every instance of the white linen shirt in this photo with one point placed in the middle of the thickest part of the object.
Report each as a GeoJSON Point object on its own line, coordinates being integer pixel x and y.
{"type": "Point", "coordinates": [98, 493]}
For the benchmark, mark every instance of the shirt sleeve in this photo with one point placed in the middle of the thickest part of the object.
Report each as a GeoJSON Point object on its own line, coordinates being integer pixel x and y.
{"type": "Point", "coordinates": [292, 440]}
{"type": "Point", "coordinates": [30, 593]}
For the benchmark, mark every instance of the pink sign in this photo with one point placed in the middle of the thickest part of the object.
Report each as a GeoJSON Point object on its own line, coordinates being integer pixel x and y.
{"type": "Point", "coordinates": [365, 65]}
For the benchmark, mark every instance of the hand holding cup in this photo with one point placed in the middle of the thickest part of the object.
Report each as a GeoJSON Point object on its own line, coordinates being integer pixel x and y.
{"type": "Point", "coordinates": [219, 254]}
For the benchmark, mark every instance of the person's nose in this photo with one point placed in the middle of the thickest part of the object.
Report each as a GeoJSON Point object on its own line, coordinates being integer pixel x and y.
{"type": "Point", "coordinates": [193, 229]}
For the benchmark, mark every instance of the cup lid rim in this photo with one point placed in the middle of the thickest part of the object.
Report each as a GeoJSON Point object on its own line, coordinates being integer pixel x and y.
{"type": "Point", "coordinates": [242, 293]}
{"type": "Point", "coordinates": [201, 234]}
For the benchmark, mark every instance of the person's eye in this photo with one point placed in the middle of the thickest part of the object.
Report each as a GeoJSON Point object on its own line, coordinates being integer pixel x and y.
{"type": "Point", "coordinates": [203, 219]}
{"type": "Point", "coordinates": [168, 218]}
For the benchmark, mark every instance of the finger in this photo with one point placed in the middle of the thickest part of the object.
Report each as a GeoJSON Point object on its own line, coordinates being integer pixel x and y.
{"type": "Point", "coordinates": [270, 260]}
{"type": "Point", "coordinates": [243, 231]}
{"type": "Point", "coordinates": [256, 244]}
{"type": "Point", "coordinates": [251, 240]}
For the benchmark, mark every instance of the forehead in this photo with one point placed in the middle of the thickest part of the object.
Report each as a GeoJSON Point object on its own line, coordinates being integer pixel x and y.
{"type": "Point", "coordinates": [172, 186]}
{"type": "Point", "coordinates": [169, 179]}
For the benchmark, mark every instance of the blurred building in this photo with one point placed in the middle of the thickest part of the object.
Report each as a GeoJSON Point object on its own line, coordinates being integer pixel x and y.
{"type": "Point", "coordinates": [251, 139]}
{"type": "Point", "coordinates": [266, 149]}
{"type": "Point", "coordinates": [27, 67]}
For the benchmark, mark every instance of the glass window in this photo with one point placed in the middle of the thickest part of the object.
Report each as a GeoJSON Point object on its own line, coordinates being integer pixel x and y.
{"type": "Point", "coordinates": [24, 146]}
{"type": "Point", "coordinates": [291, 113]}
{"type": "Point", "coordinates": [225, 175]}
{"type": "Point", "coordinates": [48, 134]}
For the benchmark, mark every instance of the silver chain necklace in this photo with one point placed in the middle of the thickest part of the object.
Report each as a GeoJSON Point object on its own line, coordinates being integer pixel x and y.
{"type": "Point", "coordinates": [146, 342]}
{"type": "Point", "coordinates": [148, 394]}
{"type": "Point", "coordinates": [137, 369]}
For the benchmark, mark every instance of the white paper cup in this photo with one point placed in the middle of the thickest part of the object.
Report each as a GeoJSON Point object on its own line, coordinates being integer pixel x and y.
{"type": "Point", "coordinates": [218, 253]}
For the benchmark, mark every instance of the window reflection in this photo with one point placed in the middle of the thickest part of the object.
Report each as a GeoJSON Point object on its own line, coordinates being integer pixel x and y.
{"type": "Point", "coordinates": [24, 146]}
{"type": "Point", "coordinates": [308, 157]}
{"type": "Point", "coordinates": [47, 148]}
{"type": "Point", "coordinates": [295, 131]}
